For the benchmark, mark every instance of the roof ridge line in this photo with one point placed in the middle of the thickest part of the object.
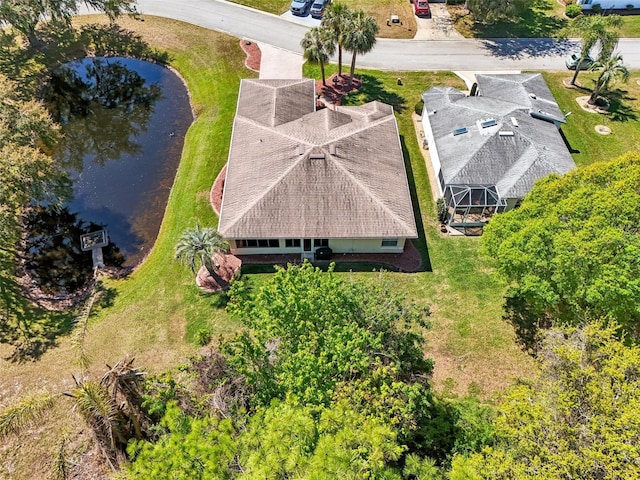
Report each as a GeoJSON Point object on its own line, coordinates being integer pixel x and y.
{"type": "Point", "coordinates": [267, 190]}
{"type": "Point", "coordinates": [368, 192]}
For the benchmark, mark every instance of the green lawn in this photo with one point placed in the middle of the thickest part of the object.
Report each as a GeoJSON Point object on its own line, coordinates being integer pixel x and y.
{"type": "Point", "coordinates": [623, 118]}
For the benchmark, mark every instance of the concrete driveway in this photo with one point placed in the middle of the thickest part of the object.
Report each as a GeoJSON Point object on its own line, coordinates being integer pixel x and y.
{"type": "Point", "coordinates": [438, 27]}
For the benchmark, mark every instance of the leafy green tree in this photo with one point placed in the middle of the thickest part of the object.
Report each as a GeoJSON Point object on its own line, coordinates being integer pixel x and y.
{"type": "Point", "coordinates": [360, 37]}
{"type": "Point", "coordinates": [200, 244]}
{"type": "Point", "coordinates": [311, 331]}
{"type": "Point", "coordinates": [491, 10]}
{"type": "Point", "coordinates": [191, 448]}
{"type": "Point", "coordinates": [597, 31]}
{"type": "Point", "coordinates": [572, 250]}
{"type": "Point", "coordinates": [336, 19]}
{"type": "Point", "coordinates": [318, 47]}
{"type": "Point", "coordinates": [25, 15]}
{"type": "Point", "coordinates": [611, 70]}
{"type": "Point", "coordinates": [578, 418]}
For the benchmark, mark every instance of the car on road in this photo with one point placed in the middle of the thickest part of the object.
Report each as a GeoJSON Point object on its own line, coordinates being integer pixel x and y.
{"type": "Point", "coordinates": [299, 7]}
{"type": "Point", "coordinates": [421, 8]}
{"type": "Point", "coordinates": [574, 59]}
{"type": "Point", "coordinates": [318, 8]}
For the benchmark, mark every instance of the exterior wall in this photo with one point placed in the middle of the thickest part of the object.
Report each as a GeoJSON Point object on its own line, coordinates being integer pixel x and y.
{"type": "Point", "coordinates": [608, 4]}
{"type": "Point", "coordinates": [433, 151]}
{"type": "Point", "coordinates": [338, 245]}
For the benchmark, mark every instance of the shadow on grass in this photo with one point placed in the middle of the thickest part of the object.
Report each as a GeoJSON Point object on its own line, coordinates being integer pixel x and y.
{"type": "Point", "coordinates": [534, 22]}
{"type": "Point", "coordinates": [567, 144]}
{"type": "Point", "coordinates": [373, 89]}
{"type": "Point", "coordinates": [421, 242]}
{"type": "Point", "coordinates": [30, 330]}
{"type": "Point", "coordinates": [619, 108]}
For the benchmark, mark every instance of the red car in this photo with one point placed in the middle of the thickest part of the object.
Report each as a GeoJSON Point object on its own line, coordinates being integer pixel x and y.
{"type": "Point", "coordinates": [422, 8]}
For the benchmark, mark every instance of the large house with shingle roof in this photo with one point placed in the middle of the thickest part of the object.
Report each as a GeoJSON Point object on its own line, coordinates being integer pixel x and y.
{"type": "Point", "coordinates": [487, 150]}
{"type": "Point", "coordinates": [299, 178]}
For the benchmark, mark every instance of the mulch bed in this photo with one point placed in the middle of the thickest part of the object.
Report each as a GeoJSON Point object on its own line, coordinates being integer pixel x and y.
{"type": "Point", "coordinates": [336, 88]}
{"type": "Point", "coordinates": [253, 53]}
{"type": "Point", "coordinates": [228, 267]}
{"type": "Point", "coordinates": [215, 197]}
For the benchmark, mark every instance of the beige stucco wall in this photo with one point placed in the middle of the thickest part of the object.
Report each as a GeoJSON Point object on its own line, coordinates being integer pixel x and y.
{"type": "Point", "coordinates": [338, 245]}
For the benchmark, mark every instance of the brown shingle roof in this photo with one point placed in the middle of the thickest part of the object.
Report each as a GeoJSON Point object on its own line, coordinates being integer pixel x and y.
{"type": "Point", "coordinates": [324, 174]}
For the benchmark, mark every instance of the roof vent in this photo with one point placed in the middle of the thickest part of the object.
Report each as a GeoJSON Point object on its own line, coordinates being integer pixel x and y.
{"type": "Point", "coordinates": [514, 122]}
{"type": "Point", "coordinates": [505, 133]}
{"type": "Point", "coordinates": [300, 149]}
{"type": "Point", "coordinates": [332, 149]}
{"type": "Point", "coordinates": [317, 156]}
{"type": "Point", "coordinates": [533, 95]}
{"type": "Point", "coordinates": [489, 123]}
{"type": "Point", "coordinates": [459, 131]}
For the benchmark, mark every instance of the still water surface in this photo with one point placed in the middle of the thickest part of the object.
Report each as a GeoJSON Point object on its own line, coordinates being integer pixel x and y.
{"type": "Point", "coordinates": [122, 152]}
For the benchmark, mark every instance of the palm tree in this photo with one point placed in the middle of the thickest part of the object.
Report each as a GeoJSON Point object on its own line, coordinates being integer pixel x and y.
{"type": "Point", "coordinates": [200, 244]}
{"type": "Point", "coordinates": [336, 19]}
{"type": "Point", "coordinates": [360, 37]}
{"type": "Point", "coordinates": [318, 46]}
{"type": "Point", "coordinates": [611, 70]}
{"type": "Point", "coordinates": [595, 31]}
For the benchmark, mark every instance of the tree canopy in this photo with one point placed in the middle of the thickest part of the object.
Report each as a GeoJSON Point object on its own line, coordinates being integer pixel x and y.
{"type": "Point", "coordinates": [579, 418]}
{"type": "Point", "coordinates": [25, 15]}
{"type": "Point", "coordinates": [572, 250]}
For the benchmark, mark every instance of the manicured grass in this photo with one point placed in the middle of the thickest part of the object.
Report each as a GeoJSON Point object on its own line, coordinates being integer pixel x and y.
{"type": "Point", "coordinates": [623, 118]}
{"type": "Point", "coordinates": [630, 26]}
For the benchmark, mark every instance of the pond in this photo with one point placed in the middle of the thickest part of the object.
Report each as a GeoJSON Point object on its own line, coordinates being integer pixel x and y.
{"type": "Point", "coordinates": [124, 122]}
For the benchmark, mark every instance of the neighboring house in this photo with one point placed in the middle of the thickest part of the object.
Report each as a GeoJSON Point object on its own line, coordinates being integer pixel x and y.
{"type": "Point", "coordinates": [609, 4]}
{"type": "Point", "coordinates": [300, 178]}
{"type": "Point", "coordinates": [488, 150]}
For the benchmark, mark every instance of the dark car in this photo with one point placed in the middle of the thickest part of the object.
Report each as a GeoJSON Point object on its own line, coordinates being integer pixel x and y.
{"type": "Point", "coordinates": [318, 8]}
{"type": "Point", "coordinates": [299, 7]}
{"type": "Point", "coordinates": [324, 253]}
{"type": "Point", "coordinates": [421, 8]}
{"type": "Point", "coordinates": [572, 62]}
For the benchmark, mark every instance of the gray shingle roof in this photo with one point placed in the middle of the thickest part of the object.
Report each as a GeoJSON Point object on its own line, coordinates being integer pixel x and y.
{"type": "Point", "coordinates": [314, 174]}
{"type": "Point", "coordinates": [512, 161]}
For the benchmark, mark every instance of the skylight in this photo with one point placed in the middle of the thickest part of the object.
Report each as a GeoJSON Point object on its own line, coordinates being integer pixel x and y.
{"type": "Point", "coordinates": [459, 131]}
{"type": "Point", "coordinates": [488, 123]}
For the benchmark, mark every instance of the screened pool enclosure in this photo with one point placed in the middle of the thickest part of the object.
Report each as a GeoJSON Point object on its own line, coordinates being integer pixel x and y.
{"type": "Point", "coordinates": [472, 205]}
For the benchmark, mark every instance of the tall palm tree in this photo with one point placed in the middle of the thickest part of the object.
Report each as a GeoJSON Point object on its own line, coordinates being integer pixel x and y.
{"type": "Point", "coordinates": [611, 70]}
{"type": "Point", "coordinates": [318, 46]}
{"type": "Point", "coordinates": [200, 244]}
{"type": "Point", "coordinates": [336, 19]}
{"type": "Point", "coordinates": [595, 31]}
{"type": "Point", "coordinates": [360, 37]}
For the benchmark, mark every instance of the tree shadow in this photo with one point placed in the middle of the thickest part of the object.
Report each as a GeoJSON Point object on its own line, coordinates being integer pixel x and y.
{"type": "Point", "coordinates": [421, 242]}
{"type": "Point", "coordinates": [373, 89]}
{"type": "Point", "coordinates": [619, 108]}
{"type": "Point", "coordinates": [534, 22]}
{"type": "Point", "coordinates": [528, 323]}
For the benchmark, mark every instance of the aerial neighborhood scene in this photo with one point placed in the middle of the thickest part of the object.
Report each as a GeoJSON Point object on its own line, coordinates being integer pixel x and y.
{"type": "Point", "coordinates": [320, 239]}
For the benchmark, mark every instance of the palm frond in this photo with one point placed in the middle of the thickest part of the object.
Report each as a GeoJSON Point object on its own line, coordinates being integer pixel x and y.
{"type": "Point", "coordinates": [25, 412]}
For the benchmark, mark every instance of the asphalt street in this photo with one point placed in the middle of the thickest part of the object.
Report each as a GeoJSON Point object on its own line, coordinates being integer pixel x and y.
{"type": "Point", "coordinates": [388, 54]}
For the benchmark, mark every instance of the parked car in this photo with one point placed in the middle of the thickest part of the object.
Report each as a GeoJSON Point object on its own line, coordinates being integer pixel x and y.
{"type": "Point", "coordinates": [299, 7]}
{"type": "Point", "coordinates": [421, 8]}
{"type": "Point", "coordinates": [572, 62]}
{"type": "Point", "coordinates": [318, 8]}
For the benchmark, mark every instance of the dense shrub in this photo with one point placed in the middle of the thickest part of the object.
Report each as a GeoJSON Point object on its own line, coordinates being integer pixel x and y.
{"type": "Point", "coordinates": [596, 8]}
{"type": "Point", "coordinates": [419, 107]}
{"type": "Point", "coordinates": [572, 10]}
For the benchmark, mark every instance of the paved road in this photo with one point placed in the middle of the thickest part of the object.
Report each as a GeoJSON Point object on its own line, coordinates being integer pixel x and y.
{"type": "Point", "coordinates": [468, 54]}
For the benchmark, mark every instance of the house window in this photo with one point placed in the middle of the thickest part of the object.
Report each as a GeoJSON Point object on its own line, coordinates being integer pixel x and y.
{"type": "Point", "coordinates": [292, 242]}
{"type": "Point", "coordinates": [261, 243]}
{"type": "Point", "coordinates": [389, 242]}
{"type": "Point", "coordinates": [321, 242]}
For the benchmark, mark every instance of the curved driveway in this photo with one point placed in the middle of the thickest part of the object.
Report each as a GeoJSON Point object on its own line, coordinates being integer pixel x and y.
{"type": "Point", "coordinates": [388, 54]}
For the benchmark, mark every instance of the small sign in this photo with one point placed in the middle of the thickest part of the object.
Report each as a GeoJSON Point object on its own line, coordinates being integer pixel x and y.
{"type": "Point", "coordinates": [89, 241]}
